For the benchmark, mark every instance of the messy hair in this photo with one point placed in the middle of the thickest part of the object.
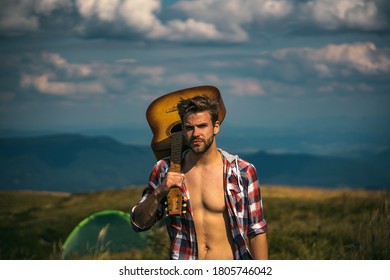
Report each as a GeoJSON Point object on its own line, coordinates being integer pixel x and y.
{"type": "Point", "coordinates": [199, 104]}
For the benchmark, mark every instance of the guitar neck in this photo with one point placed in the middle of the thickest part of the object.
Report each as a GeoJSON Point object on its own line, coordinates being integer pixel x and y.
{"type": "Point", "coordinates": [176, 149]}
{"type": "Point", "coordinates": [174, 197]}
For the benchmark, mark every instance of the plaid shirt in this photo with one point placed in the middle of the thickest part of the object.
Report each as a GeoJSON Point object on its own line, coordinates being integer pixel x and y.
{"type": "Point", "coordinates": [243, 201]}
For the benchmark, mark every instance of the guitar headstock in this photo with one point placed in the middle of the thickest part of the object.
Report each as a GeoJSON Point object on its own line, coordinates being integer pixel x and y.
{"type": "Point", "coordinates": [176, 204]}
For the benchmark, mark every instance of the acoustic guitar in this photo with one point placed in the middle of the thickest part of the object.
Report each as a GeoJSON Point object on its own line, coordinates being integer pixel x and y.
{"type": "Point", "coordinates": [165, 123]}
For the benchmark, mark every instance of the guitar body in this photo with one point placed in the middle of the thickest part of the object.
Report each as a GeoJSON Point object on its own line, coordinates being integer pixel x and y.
{"type": "Point", "coordinates": [164, 120]}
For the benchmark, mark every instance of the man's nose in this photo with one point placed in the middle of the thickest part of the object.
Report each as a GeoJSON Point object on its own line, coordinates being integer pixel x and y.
{"type": "Point", "coordinates": [196, 131]}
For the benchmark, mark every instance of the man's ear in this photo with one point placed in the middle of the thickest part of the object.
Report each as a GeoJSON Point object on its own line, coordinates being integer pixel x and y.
{"type": "Point", "coordinates": [216, 127]}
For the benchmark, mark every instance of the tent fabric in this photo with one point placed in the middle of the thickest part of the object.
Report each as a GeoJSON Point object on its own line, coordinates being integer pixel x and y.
{"type": "Point", "coordinates": [105, 231]}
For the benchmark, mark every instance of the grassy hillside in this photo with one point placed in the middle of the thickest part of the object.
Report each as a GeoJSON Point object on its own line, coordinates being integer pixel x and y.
{"type": "Point", "coordinates": [304, 223]}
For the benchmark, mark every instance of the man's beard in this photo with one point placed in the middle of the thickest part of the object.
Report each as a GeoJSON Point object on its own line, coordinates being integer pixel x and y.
{"type": "Point", "coordinates": [201, 149]}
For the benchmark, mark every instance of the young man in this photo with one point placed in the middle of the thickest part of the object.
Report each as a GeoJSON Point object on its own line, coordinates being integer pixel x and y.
{"type": "Point", "coordinates": [225, 217]}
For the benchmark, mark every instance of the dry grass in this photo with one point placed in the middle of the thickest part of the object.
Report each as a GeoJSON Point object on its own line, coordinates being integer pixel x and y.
{"type": "Point", "coordinates": [308, 223]}
{"type": "Point", "coordinates": [310, 193]}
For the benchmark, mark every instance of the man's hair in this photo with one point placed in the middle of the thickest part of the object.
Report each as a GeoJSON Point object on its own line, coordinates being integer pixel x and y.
{"type": "Point", "coordinates": [199, 104]}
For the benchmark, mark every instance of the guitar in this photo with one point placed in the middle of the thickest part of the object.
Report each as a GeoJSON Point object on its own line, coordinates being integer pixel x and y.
{"type": "Point", "coordinates": [164, 119]}
{"type": "Point", "coordinates": [166, 126]}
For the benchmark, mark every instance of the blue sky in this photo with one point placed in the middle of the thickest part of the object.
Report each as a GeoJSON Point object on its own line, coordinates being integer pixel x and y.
{"type": "Point", "coordinates": [295, 75]}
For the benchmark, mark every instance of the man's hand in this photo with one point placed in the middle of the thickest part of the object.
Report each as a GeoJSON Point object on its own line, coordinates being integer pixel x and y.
{"type": "Point", "coordinates": [173, 179]}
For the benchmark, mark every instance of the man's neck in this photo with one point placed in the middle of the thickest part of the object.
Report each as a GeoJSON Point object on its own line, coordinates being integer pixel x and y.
{"type": "Point", "coordinates": [210, 157]}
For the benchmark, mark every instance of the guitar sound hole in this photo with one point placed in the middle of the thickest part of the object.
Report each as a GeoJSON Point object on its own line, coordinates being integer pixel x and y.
{"type": "Point", "coordinates": [176, 128]}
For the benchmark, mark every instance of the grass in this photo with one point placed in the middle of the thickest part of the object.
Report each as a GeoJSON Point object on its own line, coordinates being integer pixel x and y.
{"type": "Point", "coordinates": [304, 223]}
{"type": "Point", "coordinates": [327, 224]}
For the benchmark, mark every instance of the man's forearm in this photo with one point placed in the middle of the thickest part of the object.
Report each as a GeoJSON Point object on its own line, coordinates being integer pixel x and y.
{"type": "Point", "coordinates": [145, 213]}
{"type": "Point", "coordinates": [259, 246]}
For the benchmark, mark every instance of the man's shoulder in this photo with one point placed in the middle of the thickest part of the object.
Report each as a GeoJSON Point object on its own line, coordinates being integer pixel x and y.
{"type": "Point", "coordinates": [236, 160]}
{"type": "Point", "coordinates": [245, 166]}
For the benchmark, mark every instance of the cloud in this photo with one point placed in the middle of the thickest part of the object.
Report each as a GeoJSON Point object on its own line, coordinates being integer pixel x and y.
{"type": "Point", "coordinates": [363, 57]}
{"type": "Point", "coordinates": [52, 74]}
{"type": "Point", "coordinates": [72, 70]}
{"type": "Point", "coordinates": [45, 84]}
{"type": "Point", "coordinates": [192, 30]}
{"type": "Point", "coordinates": [245, 87]}
{"type": "Point", "coordinates": [354, 68]}
{"type": "Point", "coordinates": [20, 16]}
{"type": "Point", "coordinates": [236, 12]}
{"type": "Point", "coordinates": [138, 15]}
{"type": "Point", "coordinates": [232, 17]}
{"type": "Point", "coordinates": [191, 21]}
{"type": "Point", "coordinates": [151, 74]}
{"type": "Point", "coordinates": [338, 86]}
{"type": "Point", "coordinates": [336, 14]}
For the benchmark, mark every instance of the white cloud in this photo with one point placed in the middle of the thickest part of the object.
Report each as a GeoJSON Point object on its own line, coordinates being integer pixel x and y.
{"type": "Point", "coordinates": [335, 14]}
{"type": "Point", "coordinates": [245, 87]}
{"type": "Point", "coordinates": [126, 61]}
{"type": "Point", "coordinates": [141, 16]}
{"type": "Point", "coordinates": [235, 12]}
{"type": "Point", "coordinates": [105, 10]}
{"type": "Point", "coordinates": [199, 21]}
{"type": "Point", "coordinates": [20, 16]}
{"type": "Point", "coordinates": [228, 20]}
{"type": "Point", "coordinates": [364, 57]}
{"type": "Point", "coordinates": [178, 30]}
{"type": "Point", "coordinates": [153, 74]}
{"type": "Point", "coordinates": [279, 89]}
{"type": "Point", "coordinates": [18, 19]}
{"type": "Point", "coordinates": [75, 69]}
{"type": "Point", "coordinates": [339, 86]}
{"type": "Point", "coordinates": [52, 74]}
{"type": "Point", "coordinates": [46, 83]}
{"type": "Point", "coordinates": [231, 17]}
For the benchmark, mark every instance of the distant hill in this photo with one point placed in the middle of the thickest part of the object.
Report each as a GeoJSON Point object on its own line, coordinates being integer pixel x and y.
{"type": "Point", "coordinates": [69, 162]}
{"type": "Point", "coordinates": [311, 170]}
{"type": "Point", "coordinates": [74, 163]}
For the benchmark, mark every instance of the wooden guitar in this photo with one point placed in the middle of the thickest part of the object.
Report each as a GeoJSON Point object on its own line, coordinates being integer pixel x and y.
{"type": "Point", "coordinates": [164, 119]}
{"type": "Point", "coordinates": [167, 140]}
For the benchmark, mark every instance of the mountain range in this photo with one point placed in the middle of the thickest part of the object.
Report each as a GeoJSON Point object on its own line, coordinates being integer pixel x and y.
{"type": "Point", "coordinates": [77, 163]}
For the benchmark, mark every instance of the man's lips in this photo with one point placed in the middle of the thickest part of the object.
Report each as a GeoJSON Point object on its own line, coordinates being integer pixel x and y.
{"type": "Point", "coordinates": [197, 141]}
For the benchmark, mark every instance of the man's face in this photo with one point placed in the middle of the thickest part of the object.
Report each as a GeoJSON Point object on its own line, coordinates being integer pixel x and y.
{"type": "Point", "coordinates": [199, 131]}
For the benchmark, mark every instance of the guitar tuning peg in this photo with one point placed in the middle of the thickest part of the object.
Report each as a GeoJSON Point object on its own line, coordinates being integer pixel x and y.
{"type": "Point", "coordinates": [185, 205]}
{"type": "Point", "coordinates": [166, 202]}
{"type": "Point", "coordinates": [185, 198]}
{"type": "Point", "coordinates": [166, 209]}
{"type": "Point", "coordinates": [184, 212]}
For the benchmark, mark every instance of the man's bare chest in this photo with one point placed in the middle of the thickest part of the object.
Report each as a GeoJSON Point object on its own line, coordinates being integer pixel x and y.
{"type": "Point", "coordinates": [206, 189]}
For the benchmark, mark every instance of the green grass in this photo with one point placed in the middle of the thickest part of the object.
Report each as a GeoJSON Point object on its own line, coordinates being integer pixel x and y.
{"type": "Point", "coordinates": [304, 223]}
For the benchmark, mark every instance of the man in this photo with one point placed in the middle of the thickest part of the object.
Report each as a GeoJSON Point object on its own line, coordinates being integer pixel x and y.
{"type": "Point", "coordinates": [225, 216]}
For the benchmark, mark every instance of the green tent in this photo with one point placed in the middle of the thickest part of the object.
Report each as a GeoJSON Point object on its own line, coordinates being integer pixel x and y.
{"type": "Point", "coordinates": [105, 231]}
